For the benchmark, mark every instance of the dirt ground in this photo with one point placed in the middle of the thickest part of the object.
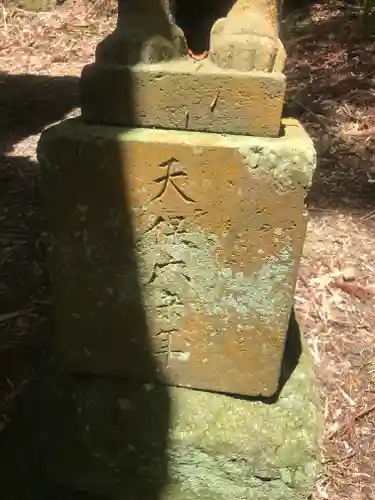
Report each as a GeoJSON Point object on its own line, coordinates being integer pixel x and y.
{"type": "Point", "coordinates": [331, 89]}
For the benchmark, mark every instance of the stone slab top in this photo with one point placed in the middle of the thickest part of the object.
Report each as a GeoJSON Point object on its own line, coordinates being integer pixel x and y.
{"type": "Point", "coordinates": [294, 140]}
{"type": "Point", "coordinates": [184, 95]}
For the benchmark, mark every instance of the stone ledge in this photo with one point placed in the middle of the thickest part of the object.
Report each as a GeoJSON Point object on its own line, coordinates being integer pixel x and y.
{"type": "Point", "coordinates": [184, 95]}
{"type": "Point", "coordinates": [114, 440]}
{"type": "Point", "coordinates": [229, 259]}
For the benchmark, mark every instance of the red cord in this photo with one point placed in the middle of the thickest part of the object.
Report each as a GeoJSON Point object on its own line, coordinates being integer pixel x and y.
{"type": "Point", "coordinates": [197, 57]}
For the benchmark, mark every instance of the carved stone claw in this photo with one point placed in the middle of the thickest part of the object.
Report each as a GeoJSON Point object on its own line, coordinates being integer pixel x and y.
{"type": "Point", "coordinates": [245, 41]}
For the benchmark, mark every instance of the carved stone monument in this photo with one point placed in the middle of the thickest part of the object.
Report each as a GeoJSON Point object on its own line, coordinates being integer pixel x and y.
{"type": "Point", "coordinates": [177, 217]}
{"type": "Point", "coordinates": [172, 91]}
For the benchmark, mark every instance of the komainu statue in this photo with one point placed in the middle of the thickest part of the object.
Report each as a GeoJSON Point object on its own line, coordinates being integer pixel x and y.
{"type": "Point", "coordinates": [245, 39]}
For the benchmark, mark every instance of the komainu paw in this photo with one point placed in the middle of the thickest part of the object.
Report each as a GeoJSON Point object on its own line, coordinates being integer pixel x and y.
{"type": "Point", "coordinates": [247, 39]}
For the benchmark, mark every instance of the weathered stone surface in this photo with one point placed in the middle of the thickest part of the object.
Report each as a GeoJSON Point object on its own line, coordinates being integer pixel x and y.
{"type": "Point", "coordinates": [184, 241]}
{"type": "Point", "coordinates": [184, 95]}
{"type": "Point", "coordinates": [248, 37]}
{"type": "Point", "coordinates": [145, 32]}
{"type": "Point", "coordinates": [117, 441]}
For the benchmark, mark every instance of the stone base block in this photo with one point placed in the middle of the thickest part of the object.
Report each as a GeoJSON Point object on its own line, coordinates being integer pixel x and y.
{"type": "Point", "coordinates": [101, 439]}
{"type": "Point", "coordinates": [184, 95]}
{"type": "Point", "coordinates": [182, 243]}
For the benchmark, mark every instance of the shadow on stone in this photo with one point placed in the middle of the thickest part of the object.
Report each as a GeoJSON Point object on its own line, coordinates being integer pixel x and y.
{"type": "Point", "coordinates": [82, 431]}
{"type": "Point", "coordinates": [291, 357]}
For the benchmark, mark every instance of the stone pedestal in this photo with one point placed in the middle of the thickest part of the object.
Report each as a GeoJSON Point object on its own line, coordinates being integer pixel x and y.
{"type": "Point", "coordinates": [184, 95]}
{"type": "Point", "coordinates": [87, 438]}
{"type": "Point", "coordinates": [177, 218]}
{"type": "Point", "coordinates": [184, 243]}
{"type": "Point", "coordinates": [143, 77]}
